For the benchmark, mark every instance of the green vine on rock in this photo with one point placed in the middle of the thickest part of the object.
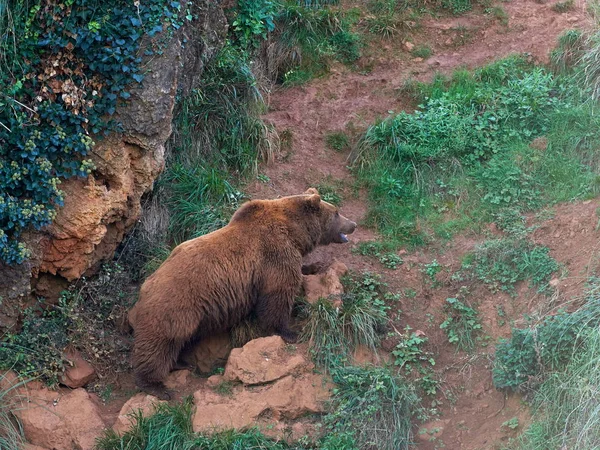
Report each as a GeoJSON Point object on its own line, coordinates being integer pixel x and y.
{"type": "Point", "coordinates": [64, 67]}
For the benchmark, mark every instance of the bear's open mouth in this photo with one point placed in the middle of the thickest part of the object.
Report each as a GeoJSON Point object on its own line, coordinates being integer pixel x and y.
{"type": "Point", "coordinates": [343, 238]}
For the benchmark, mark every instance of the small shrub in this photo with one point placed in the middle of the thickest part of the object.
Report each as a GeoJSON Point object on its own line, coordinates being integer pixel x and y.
{"type": "Point", "coordinates": [337, 141]}
{"type": "Point", "coordinates": [461, 324]}
{"type": "Point", "coordinates": [563, 7]}
{"type": "Point", "coordinates": [372, 405]}
{"type": "Point", "coordinates": [422, 51]}
{"type": "Point", "coordinates": [431, 270]}
{"type": "Point", "coordinates": [545, 346]}
{"type": "Point", "coordinates": [380, 251]}
{"type": "Point", "coordinates": [501, 263]}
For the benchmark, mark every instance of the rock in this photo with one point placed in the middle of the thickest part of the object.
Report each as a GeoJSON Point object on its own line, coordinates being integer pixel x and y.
{"type": "Point", "coordinates": [99, 210]}
{"type": "Point", "coordinates": [554, 282]}
{"type": "Point", "coordinates": [409, 46]}
{"type": "Point", "coordinates": [417, 59]}
{"type": "Point", "coordinates": [325, 285]}
{"type": "Point", "coordinates": [140, 403]}
{"type": "Point", "coordinates": [214, 380]}
{"type": "Point", "coordinates": [209, 353]}
{"type": "Point", "coordinates": [178, 379]}
{"type": "Point", "coordinates": [263, 360]}
{"type": "Point", "coordinates": [59, 420]}
{"type": "Point", "coordinates": [79, 373]}
{"type": "Point", "coordinates": [287, 398]}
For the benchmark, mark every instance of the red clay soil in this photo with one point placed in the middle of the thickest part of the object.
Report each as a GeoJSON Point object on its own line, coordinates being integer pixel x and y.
{"type": "Point", "coordinates": [468, 411]}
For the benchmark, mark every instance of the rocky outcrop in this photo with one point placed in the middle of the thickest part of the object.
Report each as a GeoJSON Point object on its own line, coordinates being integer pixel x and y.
{"type": "Point", "coordinates": [79, 372]}
{"type": "Point", "coordinates": [325, 285]}
{"type": "Point", "coordinates": [57, 420]}
{"type": "Point", "coordinates": [263, 360]}
{"type": "Point", "coordinates": [98, 211]}
{"type": "Point", "coordinates": [277, 385]}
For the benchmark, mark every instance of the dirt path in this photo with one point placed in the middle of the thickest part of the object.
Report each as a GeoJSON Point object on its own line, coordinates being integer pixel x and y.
{"type": "Point", "coordinates": [468, 411]}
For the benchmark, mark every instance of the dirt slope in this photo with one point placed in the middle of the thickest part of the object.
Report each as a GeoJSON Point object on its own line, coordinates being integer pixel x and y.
{"type": "Point", "coordinates": [468, 412]}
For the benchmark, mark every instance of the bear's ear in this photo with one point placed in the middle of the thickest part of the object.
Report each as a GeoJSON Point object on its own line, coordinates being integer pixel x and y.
{"type": "Point", "coordinates": [314, 201]}
{"type": "Point", "coordinates": [312, 191]}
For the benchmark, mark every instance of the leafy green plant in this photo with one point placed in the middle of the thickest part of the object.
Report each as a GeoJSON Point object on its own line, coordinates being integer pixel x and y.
{"type": "Point", "coordinates": [380, 251]}
{"type": "Point", "coordinates": [512, 423]}
{"type": "Point", "coordinates": [373, 406]}
{"type": "Point", "coordinates": [253, 21]}
{"type": "Point", "coordinates": [461, 324]}
{"type": "Point", "coordinates": [409, 351]}
{"type": "Point", "coordinates": [431, 270]}
{"type": "Point", "coordinates": [330, 192]}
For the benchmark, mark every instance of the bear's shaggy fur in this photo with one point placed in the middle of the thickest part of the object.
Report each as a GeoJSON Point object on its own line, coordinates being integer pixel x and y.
{"type": "Point", "coordinates": [209, 284]}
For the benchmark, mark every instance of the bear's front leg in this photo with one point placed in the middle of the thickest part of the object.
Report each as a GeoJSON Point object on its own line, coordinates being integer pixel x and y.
{"type": "Point", "coordinates": [273, 312]}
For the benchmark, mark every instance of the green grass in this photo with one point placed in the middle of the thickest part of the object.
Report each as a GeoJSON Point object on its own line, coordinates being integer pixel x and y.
{"type": "Point", "coordinates": [307, 39]}
{"type": "Point", "coordinates": [382, 251]}
{"type": "Point", "coordinates": [333, 333]}
{"type": "Point", "coordinates": [337, 141]}
{"type": "Point", "coordinates": [422, 51]}
{"type": "Point", "coordinates": [502, 263]}
{"type": "Point", "coordinates": [374, 406]}
{"type": "Point", "coordinates": [11, 432]}
{"type": "Point", "coordinates": [464, 155]}
{"type": "Point", "coordinates": [567, 405]}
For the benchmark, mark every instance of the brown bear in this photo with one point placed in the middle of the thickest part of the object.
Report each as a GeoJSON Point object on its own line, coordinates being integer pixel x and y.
{"type": "Point", "coordinates": [210, 283]}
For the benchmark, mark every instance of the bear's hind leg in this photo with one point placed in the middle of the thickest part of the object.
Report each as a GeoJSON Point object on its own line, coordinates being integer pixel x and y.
{"type": "Point", "coordinates": [273, 312]}
{"type": "Point", "coordinates": [152, 362]}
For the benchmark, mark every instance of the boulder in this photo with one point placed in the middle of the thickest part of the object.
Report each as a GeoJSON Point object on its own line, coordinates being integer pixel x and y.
{"type": "Point", "coordinates": [325, 285]}
{"type": "Point", "coordinates": [58, 420]}
{"type": "Point", "coordinates": [263, 360]}
{"type": "Point", "coordinates": [263, 406]}
{"type": "Point", "coordinates": [140, 403]}
{"type": "Point", "coordinates": [79, 372]}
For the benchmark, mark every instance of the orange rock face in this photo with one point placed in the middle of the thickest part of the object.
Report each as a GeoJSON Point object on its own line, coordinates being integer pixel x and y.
{"type": "Point", "coordinates": [98, 211]}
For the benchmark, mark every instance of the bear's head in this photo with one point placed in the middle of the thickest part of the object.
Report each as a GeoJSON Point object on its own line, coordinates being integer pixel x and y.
{"type": "Point", "coordinates": [334, 226]}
